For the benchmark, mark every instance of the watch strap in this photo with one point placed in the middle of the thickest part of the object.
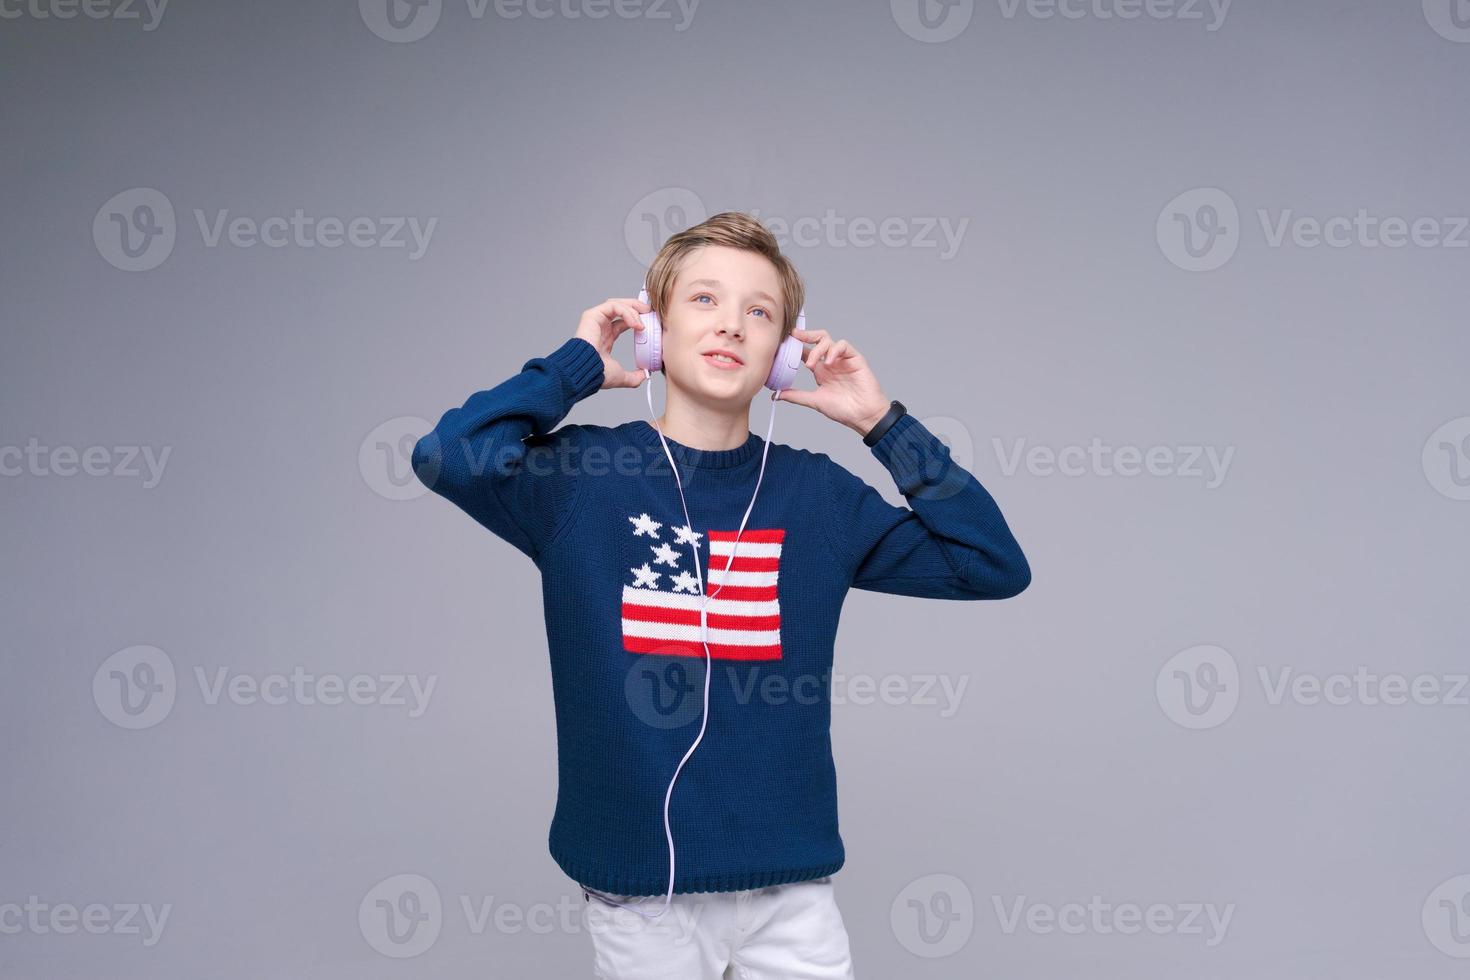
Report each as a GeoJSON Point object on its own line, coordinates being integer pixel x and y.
{"type": "Point", "coordinates": [896, 411]}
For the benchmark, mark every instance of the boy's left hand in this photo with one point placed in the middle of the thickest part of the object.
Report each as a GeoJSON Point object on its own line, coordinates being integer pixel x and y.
{"type": "Point", "coordinates": [847, 390]}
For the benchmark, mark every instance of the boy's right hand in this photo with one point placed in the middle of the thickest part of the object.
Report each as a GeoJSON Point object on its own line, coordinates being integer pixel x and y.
{"type": "Point", "coordinates": [601, 325]}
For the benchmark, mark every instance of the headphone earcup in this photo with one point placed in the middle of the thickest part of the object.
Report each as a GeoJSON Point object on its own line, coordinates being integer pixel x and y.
{"type": "Point", "coordinates": [787, 365]}
{"type": "Point", "coordinates": [648, 343]}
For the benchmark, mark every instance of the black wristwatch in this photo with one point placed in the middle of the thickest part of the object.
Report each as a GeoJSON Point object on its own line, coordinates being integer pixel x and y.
{"type": "Point", "coordinates": [895, 412]}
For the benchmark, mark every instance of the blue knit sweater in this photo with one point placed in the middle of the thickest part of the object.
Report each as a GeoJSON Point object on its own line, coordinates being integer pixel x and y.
{"type": "Point", "coordinates": [597, 510]}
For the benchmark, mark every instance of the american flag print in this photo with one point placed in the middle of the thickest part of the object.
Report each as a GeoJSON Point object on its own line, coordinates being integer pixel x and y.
{"type": "Point", "coordinates": [661, 596]}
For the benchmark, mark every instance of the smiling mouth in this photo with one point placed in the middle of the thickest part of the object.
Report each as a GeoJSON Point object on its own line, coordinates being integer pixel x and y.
{"type": "Point", "coordinates": [723, 359]}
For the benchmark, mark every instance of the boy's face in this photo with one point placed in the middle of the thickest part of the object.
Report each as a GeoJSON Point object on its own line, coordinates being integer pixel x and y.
{"type": "Point", "coordinates": [723, 299]}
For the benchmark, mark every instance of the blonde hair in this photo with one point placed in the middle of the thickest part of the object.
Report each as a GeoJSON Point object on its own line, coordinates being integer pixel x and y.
{"type": "Point", "coordinates": [735, 230]}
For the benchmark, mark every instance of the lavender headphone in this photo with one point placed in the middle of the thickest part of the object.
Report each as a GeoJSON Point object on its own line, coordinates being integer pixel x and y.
{"type": "Point", "coordinates": [648, 349]}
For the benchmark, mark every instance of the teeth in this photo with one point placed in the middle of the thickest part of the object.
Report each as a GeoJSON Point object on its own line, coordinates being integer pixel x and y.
{"type": "Point", "coordinates": [723, 359]}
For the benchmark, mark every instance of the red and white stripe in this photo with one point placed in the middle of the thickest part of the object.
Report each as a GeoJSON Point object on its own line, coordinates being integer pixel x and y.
{"type": "Point", "coordinates": [744, 613]}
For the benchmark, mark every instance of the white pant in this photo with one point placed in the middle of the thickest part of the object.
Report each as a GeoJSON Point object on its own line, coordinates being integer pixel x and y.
{"type": "Point", "coordinates": [784, 932]}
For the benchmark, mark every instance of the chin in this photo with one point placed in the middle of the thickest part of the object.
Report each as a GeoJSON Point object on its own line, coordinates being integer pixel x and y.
{"type": "Point", "coordinates": [732, 390]}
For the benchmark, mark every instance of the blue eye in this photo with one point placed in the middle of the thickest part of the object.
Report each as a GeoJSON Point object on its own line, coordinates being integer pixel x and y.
{"type": "Point", "coordinates": [700, 296]}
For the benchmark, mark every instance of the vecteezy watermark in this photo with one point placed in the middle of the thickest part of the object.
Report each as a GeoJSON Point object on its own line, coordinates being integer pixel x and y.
{"type": "Point", "coordinates": [1211, 13]}
{"type": "Point", "coordinates": [403, 916]}
{"type": "Point", "coordinates": [1363, 686]}
{"type": "Point", "coordinates": [136, 230]}
{"type": "Point", "coordinates": [1446, 459]}
{"type": "Point", "coordinates": [941, 692]}
{"type": "Point", "coordinates": [1102, 918]}
{"type": "Point", "coordinates": [935, 21]}
{"type": "Point", "coordinates": [1200, 230]}
{"type": "Point", "coordinates": [657, 215]}
{"type": "Point", "coordinates": [1449, 18]}
{"type": "Point", "coordinates": [39, 918]}
{"type": "Point", "coordinates": [136, 688]}
{"type": "Point", "coordinates": [385, 459]}
{"type": "Point", "coordinates": [940, 233]}
{"type": "Point", "coordinates": [34, 459]}
{"type": "Point", "coordinates": [661, 213]}
{"type": "Point", "coordinates": [936, 915]}
{"type": "Point", "coordinates": [1207, 463]}
{"type": "Point", "coordinates": [933, 916]}
{"type": "Point", "coordinates": [667, 690]}
{"type": "Point", "coordinates": [149, 12]}
{"type": "Point", "coordinates": [1446, 917]}
{"type": "Point", "coordinates": [403, 21]}
{"type": "Point", "coordinates": [1200, 687]}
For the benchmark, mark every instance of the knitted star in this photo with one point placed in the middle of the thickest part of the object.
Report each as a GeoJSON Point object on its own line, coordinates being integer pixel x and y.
{"type": "Point", "coordinates": [684, 582]}
{"type": "Point", "coordinates": [646, 576]}
{"type": "Point", "coordinates": [665, 555]}
{"type": "Point", "coordinates": [687, 535]}
{"type": "Point", "coordinates": [643, 524]}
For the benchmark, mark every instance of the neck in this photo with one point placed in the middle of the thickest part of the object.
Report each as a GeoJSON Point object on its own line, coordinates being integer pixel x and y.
{"type": "Point", "coordinates": [701, 426]}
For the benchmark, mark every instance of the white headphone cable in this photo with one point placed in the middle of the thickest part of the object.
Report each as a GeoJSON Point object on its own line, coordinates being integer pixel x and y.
{"type": "Point", "coordinates": [703, 634]}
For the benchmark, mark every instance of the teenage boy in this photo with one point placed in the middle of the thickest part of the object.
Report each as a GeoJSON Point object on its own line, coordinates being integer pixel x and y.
{"type": "Point", "coordinates": [752, 816]}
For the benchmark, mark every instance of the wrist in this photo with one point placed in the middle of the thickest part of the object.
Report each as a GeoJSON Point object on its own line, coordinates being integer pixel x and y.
{"type": "Point", "coordinates": [896, 411]}
{"type": "Point", "coordinates": [872, 417]}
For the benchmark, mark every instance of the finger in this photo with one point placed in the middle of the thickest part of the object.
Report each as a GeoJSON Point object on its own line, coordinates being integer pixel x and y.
{"type": "Point", "coordinates": [798, 396]}
{"type": "Point", "coordinates": [817, 353]}
{"type": "Point", "coordinates": [840, 349]}
{"type": "Point", "coordinates": [809, 335]}
{"type": "Point", "coordinates": [629, 318]}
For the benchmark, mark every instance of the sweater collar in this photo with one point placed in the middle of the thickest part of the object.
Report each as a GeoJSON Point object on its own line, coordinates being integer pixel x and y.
{"type": "Point", "coordinates": [710, 459]}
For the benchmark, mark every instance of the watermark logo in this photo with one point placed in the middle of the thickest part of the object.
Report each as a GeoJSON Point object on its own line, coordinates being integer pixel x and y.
{"type": "Point", "coordinates": [1199, 230]}
{"type": "Point", "coordinates": [1362, 687]}
{"type": "Point", "coordinates": [400, 21]}
{"type": "Point", "coordinates": [150, 12]}
{"type": "Point", "coordinates": [1199, 687]}
{"type": "Point", "coordinates": [1211, 13]}
{"type": "Point", "coordinates": [665, 691]}
{"type": "Point", "coordinates": [660, 214]}
{"type": "Point", "coordinates": [401, 916]}
{"type": "Point", "coordinates": [135, 687]}
{"type": "Point", "coordinates": [385, 459]}
{"type": "Point", "coordinates": [933, 916]}
{"type": "Point", "coordinates": [956, 438]}
{"type": "Point", "coordinates": [1449, 18]}
{"type": "Point", "coordinates": [403, 21]}
{"type": "Point", "coordinates": [1209, 464]}
{"type": "Point", "coordinates": [942, 234]}
{"type": "Point", "coordinates": [125, 462]}
{"type": "Point", "coordinates": [1446, 459]}
{"type": "Point", "coordinates": [135, 229]}
{"type": "Point", "coordinates": [40, 918]}
{"type": "Point", "coordinates": [1103, 918]}
{"type": "Point", "coordinates": [656, 216]}
{"type": "Point", "coordinates": [932, 21]}
{"type": "Point", "coordinates": [1446, 917]}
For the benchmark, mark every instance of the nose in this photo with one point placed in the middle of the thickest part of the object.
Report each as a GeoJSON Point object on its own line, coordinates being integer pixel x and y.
{"type": "Point", "coordinates": [736, 330]}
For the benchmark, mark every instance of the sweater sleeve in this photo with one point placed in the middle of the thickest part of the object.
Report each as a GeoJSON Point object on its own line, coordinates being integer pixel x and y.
{"type": "Point", "coordinates": [496, 457]}
{"type": "Point", "coordinates": [952, 544]}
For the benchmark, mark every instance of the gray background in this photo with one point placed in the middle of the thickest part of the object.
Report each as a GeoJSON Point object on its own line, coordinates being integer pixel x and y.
{"type": "Point", "coordinates": [554, 153]}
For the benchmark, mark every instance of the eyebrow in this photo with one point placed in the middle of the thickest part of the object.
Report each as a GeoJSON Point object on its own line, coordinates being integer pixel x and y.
{"type": "Point", "coordinates": [759, 293]}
